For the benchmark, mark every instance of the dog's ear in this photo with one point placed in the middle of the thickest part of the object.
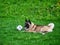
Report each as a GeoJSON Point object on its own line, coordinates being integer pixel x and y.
{"type": "Point", "coordinates": [29, 21]}
{"type": "Point", "coordinates": [26, 20]}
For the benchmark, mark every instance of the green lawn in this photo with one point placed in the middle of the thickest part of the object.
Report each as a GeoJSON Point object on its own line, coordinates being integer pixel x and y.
{"type": "Point", "coordinates": [41, 12]}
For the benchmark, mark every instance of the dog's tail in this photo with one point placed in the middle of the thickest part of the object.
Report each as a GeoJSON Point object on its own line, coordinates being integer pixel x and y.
{"type": "Point", "coordinates": [51, 25]}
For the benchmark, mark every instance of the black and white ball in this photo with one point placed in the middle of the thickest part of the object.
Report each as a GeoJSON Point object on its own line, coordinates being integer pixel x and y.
{"type": "Point", "coordinates": [19, 27]}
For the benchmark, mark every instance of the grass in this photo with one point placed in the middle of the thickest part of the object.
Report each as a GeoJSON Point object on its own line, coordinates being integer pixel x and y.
{"type": "Point", "coordinates": [42, 12]}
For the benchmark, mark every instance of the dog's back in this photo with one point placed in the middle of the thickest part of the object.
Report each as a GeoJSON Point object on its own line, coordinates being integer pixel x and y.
{"type": "Point", "coordinates": [40, 29]}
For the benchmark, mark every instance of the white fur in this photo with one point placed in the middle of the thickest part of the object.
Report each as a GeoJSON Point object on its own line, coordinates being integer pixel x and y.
{"type": "Point", "coordinates": [50, 30]}
{"type": "Point", "coordinates": [19, 27]}
{"type": "Point", "coordinates": [51, 25]}
{"type": "Point", "coordinates": [43, 33]}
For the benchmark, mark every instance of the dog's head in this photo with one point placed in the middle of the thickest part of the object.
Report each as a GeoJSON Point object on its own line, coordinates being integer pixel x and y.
{"type": "Point", "coordinates": [27, 24]}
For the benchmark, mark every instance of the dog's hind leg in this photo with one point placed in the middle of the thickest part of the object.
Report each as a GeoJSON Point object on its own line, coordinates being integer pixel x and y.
{"type": "Point", "coordinates": [43, 33]}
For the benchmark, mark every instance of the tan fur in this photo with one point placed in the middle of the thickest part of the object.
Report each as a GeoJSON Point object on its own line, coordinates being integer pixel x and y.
{"type": "Point", "coordinates": [35, 28]}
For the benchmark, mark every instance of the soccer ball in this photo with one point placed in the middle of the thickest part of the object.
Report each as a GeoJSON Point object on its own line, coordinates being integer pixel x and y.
{"type": "Point", "coordinates": [19, 27]}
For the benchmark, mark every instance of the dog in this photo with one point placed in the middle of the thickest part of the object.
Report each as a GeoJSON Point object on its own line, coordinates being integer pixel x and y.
{"type": "Point", "coordinates": [31, 27]}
